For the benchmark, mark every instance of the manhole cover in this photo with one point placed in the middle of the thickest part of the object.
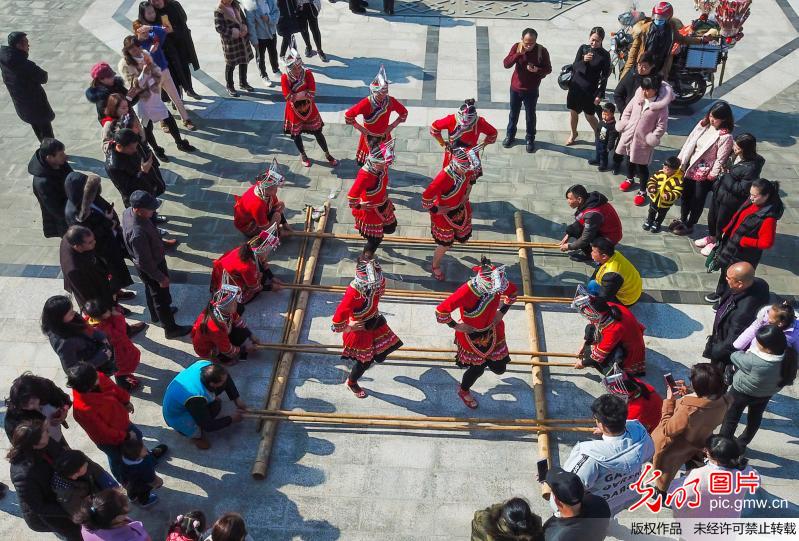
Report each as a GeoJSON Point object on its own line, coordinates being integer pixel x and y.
{"type": "Point", "coordinates": [488, 9]}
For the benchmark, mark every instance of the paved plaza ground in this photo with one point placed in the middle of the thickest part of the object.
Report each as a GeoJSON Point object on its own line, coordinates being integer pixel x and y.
{"type": "Point", "coordinates": [326, 483]}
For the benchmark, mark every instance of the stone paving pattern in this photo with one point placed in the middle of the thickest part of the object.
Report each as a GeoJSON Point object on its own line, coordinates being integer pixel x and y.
{"type": "Point", "coordinates": [344, 484]}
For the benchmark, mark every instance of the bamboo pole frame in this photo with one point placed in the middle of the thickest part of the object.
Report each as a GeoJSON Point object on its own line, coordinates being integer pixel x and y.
{"type": "Point", "coordinates": [481, 243]}
{"type": "Point", "coordinates": [283, 368]}
{"type": "Point", "coordinates": [424, 295]}
{"type": "Point", "coordinates": [539, 393]}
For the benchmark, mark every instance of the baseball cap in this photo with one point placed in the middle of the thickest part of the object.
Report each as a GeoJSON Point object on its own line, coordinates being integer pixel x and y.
{"type": "Point", "coordinates": [143, 200]}
{"type": "Point", "coordinates": [566, 486]}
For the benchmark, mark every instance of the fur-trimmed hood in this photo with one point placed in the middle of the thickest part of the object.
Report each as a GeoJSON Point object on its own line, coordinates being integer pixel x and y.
{"type": "Point", "coordinates": [81, 190]}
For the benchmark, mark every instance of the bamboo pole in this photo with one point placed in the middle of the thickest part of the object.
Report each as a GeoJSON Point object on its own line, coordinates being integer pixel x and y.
{"type": "Point", "coordinates": [330, 350]}
{"type": "Point", "coordinates": [283, 369]}
{"type": "Point", "coordinates": [482, 243]}
{"type": "Point", "coordinates": [338, 415]}
{"type": "Point", "coordinates": [539, 393]}
{"type": "Point", "coordinates": [429, 295]}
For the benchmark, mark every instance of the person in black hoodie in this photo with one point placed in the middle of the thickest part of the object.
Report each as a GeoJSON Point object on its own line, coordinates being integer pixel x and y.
{"type": "Point", "coordinates": [49, 168]}
{"type": "Point", "coordinates": [24, 81]}
{"type": "Point", "coordinates": [737, 309]}
{"type": "Point", "coordinates": [130, 170]}
{"type": "Point", "coordinates": [32, 455]}
{"type": "Point", "coordinates": [732, 189]}
{"type": "Point", "coordinates": [86, 207]}
{"type": "Point", "coordinates": [594, 217]}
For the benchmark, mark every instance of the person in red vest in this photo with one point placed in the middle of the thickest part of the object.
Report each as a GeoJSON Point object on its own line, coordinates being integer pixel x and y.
{"type": "Point", "coordinates": [259, 208]}
{"type": "Point", "coordinates": [368, 198]}
{"type": "Point", "coordinates": [447, 200]}
{"type": "Point", "coordinates": [376, 110]}
{"type": "Point", "coordinates": [366, 335]}
{"type": "Point", "coordinates": [220, 332]}
{"type": "Point", "coordinates": [463, 130]}
{"type": "Point", "coordinates": [613, 335]}
{"type": "Point", "coordinates": [247, 266]}
{"type": "Point", "coordinates": [643, 401]}
{"type": "Point", "coordinates": [594, 217]}
{"type": "Point", "coordinates": [480, 336]}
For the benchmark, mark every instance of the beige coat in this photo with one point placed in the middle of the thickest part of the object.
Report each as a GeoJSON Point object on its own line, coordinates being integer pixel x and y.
{"type": "Point", "coordinates": [637, 48]}
{"type": "Point", "coordinates": [684, 427]}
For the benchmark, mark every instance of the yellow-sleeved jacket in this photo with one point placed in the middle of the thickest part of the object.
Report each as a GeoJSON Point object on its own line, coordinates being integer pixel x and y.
{"type": "Point", "coordinates": [663, 191]}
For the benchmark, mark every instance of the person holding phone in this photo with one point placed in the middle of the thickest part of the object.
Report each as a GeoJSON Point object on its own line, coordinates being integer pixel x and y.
{"type": "Point", "coordinates": [590, 72]}
{"type": "Point", "coordinates": [530, 63]}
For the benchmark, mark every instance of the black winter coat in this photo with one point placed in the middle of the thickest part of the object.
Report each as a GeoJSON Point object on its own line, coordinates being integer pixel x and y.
{"type": "Point", "coordinates": [732, 188]}
{"type": "Point", "coordinates": [124, 170]}
{"type": "Point", "coordinates": [48, 187]}
{"type": "Point", "coordinates": [625, 89]}
{"type": "Point", "coordinates": [98, 95]}
{"type": "Point", "coordinates": [591, 78]}
{"type": "Point", "coordinates": [55, 397]}
{"type": "Point", "coordinates": [733, 316]}
{"type": "Point", "coordinates": [94, 349]}
{"type": "Point", "coordinates": [24, 81]}
{"type": "Point", "coordinates": [31, 477]}
{"type": "Point", "coordinates": [731, 250]}
{"type": "Point", "coordinates": [85, 276]}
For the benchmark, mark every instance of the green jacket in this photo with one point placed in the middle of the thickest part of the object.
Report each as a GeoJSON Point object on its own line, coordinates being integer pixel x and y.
{"type": "Point", "coordinates": [757, 374]}
{"type": "Point", "coordinates": [488, 526]}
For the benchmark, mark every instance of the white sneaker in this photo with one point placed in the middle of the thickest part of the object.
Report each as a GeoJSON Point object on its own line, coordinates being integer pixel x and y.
{"type": "Point", "coordinates": [266, 80]}
{"type": "Point", "coordinates": [707, 249]}
{"type": "Point", "coordinates": [704, 241]}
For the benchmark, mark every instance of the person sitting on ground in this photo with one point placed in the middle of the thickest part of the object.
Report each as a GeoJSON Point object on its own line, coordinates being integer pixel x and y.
{"type": "Point", "coordinates": [187, 527]}
{"type": "Point", "coordinates": [780, 314]}
{"type": "Point", "coordinates": [190, 403]}
{"type": "Point", "coordinates": [74, 340]}
{"type": "Point", "coordinates": [138, 469]}
{"type": "Point", "coordinates": [247, 266]}
{"type": "Point", "coordinates": [613, 337]}
{"type": "Point", "coordinates": [643, 401]}
{"type": "Point", "coordinates": [36, 398]}
{"type": "Point", "coordinates": [77, 479]}
{"type": "Point", "coordinates": [578, 514]}
{"type": "Point", "coordinates": [608, 465]}
{"type": "Point", "coordinates": [105, 518]}
{"type": "Point", "coordinates": [615, 279]}
{"type": "Point", "coordinates": [594, 217]}
{"type": "Point", "coordinates": [220, 332]}
{"type": "Point", "coordinates": [664, 188]}
{"type": "Point", "coordinates": [258, 208]}
{"type": "Point", "coordinates": [507, 521]}
{"type": "Point", "coordinates": [228, 527]}
{"type": "Point", "coordinates": [111, 322]}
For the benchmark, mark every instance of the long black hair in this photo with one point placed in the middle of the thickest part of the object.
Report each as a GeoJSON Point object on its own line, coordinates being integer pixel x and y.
{"type": "Point", "coordinates": [25, 437]}
{"type": "Point", "coordinates": [726, 451]}
{"type": "Point", "coordinates": [721, 110]}
{"type": "Point", "coordinates": [53, 312]}
{"type": "Point", "coordinates": [29, 386]}
{"type": "Point", "coordinates": [99, 512]}
{"type": "Point", "coordinates": [748, 145]}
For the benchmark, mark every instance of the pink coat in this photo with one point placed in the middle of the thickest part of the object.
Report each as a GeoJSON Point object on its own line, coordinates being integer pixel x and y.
{"type": "Point", "coordinates": [714, 153]}
{"type": "Point", "coordinates": [640, 131]}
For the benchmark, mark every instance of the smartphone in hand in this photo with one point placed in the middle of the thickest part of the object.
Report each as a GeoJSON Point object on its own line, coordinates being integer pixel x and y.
{"type": "Point", "coordinates": [670, 382]}
{"type": "Point", "coordinates": [543, 468]}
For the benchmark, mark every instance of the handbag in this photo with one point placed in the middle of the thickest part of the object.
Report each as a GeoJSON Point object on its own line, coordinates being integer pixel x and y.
{"type": "Point", "coordinates": [712, 264]}
{"type": "Point", "coordinates": [729, 372]}
{"type": "Point", "coordinates": [565, 76]}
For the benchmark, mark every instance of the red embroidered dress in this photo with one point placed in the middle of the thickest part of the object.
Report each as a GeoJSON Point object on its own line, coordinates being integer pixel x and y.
{"type": "Point", "coordinates": [375, 119]}
{"type": "Point", "coordinates": [451, 191]}
{"type": "Point", "coordinates": [215, 340]}
{"type": "Point", "coordinates": [463, 137]}
{"type": "Point", "coordinates": [245, 274]}
{"type": "Point", "coordinates": [301, 116]}
{"type": "Point", "coordinates": [376, 340]}
{"type": "Point", "coordinates": [372, 209]}
{"type": "Point", "coordinates": [251, 214]}
{"type": "Point", "coordinates": [487, 342]}
{"type": "Point", "coordinates": [627, 332]}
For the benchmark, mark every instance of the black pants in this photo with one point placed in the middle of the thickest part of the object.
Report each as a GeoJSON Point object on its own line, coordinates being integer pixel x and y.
{"type": "Point", "coordinates": [159, 299]}
{"type": "Point", "coordinates": [285, 41]}
{"type": "Point", "coordinates": [267, 46]}
{"type": "Point", "coordinates": [357, 370]}
{"type": "Point", "coordinates": [139, 492]}
{"type": "Point", "coordinates": [656, 215]}
{"type": "Point", "coordinates": [237, 336]}
{"type": "Point", "coordinates": [529, 99]}
{"type": "Point", "coordinates": [474, 372]}
{"type": "Point", "coordinates": [320, 140]}
{"type": "Point", "coordinates": [43, 130]}
{"type": "Point", "coordinates": [173, 131]}
{"type": "Point", "coordinates": [693, 200]}
{"type": "Point", "coordinates": [601, 152]}
{"type": "Point", "coordinates": [718, 216]}
{"type": "Point", "coordinates": [639, 171]}
{"type": "Point", "coordinates": [308, 21]}
{"type": "Point", "coordinates": [229, 74]}
{"type": "Point", "coordinates": [754, 415]}
{"type": "Point", "coordinates": [575, 230]}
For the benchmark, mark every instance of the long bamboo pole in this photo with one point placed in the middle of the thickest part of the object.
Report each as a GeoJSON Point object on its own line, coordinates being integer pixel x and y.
{"type": "Point", "coordinates": [283, 369]}
{"type": "Point", "coordinates": [432, 295]}
{"type": "Point", "coordinates": [539, 393]}
{"type": "Point", "coordinates": [482, 243]}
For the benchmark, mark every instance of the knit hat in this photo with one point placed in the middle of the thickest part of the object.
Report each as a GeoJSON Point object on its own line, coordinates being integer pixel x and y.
{"type": "Point", "coordinates": [101, 70]}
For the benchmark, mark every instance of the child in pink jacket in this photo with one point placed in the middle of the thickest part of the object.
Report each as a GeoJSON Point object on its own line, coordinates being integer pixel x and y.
{"type": "Point", "coordinates": [641, 127]}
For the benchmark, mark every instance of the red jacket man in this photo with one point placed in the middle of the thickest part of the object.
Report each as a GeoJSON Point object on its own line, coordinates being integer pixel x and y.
{"type": "Point", "coordinates": [103, 411]}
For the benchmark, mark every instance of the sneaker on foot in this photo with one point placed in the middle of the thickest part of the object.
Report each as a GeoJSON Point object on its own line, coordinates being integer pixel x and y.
{"type": "Point", "coordinates": [646, 225]}
{"type": "Point", "coordinates": [309, 52]}
{"type": "Point", "coordinates": [508, 141]}
{"type": "Point", "coordinates": [246, 87]}
{"type": "Point", "coordinates": [627, 185]}
{"type": "Point", "coordinates": [593, 161]}
{"type": "Point", "coordinates": [707, 249]}
{"type": "Point", "coordinates": [530, 146]}
{"type": "Point", "coordinates": [603, 168]}
{"type": "Point", "coordinates": [639, 199]}
{"type": "Point", "coordinates": [152, 500]}
{"type": "Point", "coordinates": [704, 241]}
{"type": "Point", "coordinates": [712, 298]}
{"type": "Point", "coordinates": [232, 92]}
{"type": "Point", "coordinates": [331, 160]}
{"type": "Point", "coordinates": [322, 56]}
{"type": "Point", "coordinates": [655, 228]}
{"type": "Point", "coordinates": [305, 161]}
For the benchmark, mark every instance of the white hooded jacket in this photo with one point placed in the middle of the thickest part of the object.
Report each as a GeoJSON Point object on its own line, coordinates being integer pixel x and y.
{"type": "Point", "coordinates": [608, 467]}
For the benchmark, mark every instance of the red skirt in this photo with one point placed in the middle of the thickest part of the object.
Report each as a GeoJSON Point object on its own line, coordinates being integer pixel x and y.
{"type": "Point", "coordinates": [481, 346]}
{"type": "Point", "coordinates": [370, 344]}
{"type": "Point", "coordinates": [363, 148]}
{"type": "Point", "coordinates": [455, 225]}
{"type": "Point", "coordinates": [297, 122]}
{"type": "Point", "coordinates": [373, 221]}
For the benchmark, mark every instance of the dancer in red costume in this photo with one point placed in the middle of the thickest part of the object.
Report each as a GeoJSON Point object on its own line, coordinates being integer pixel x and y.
{"type": "Point", "coordinates": [447, 200]}
{"type": "Point", "coordinates": [376, 110]}
{"type": "Point", "coordinates": [480, 337]}
{"type": "Point", "coordinates": [302, 116]}
{"type": "Point", "coordinates": [259, 208]}
{"type": "Point", "coordinates": [368, 198]}
{"type": "Point", "coordinates": [367, 337]}
{"type": "Point", "coordinates": [247, 266]}
{"type": "Point", "coordinates": [463, 130]}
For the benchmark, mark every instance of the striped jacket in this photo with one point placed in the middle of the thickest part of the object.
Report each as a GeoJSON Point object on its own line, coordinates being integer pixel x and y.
{"type": "Point", "coordinates": [664, 191]}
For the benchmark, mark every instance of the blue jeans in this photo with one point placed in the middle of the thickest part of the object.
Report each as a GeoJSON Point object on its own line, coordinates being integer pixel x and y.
{"type": "Point", "coordinates": [115, 455]}
{"type": "Point", "coordinates": [529, 99]}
